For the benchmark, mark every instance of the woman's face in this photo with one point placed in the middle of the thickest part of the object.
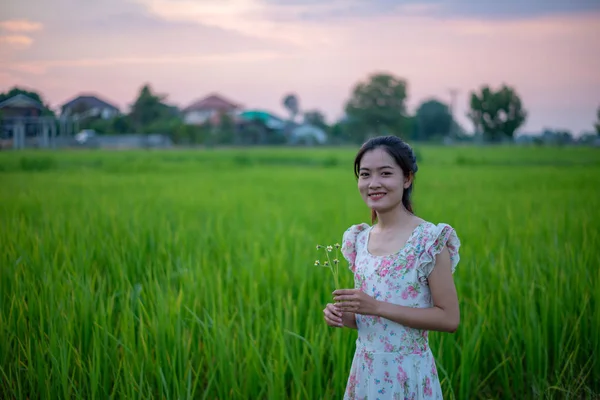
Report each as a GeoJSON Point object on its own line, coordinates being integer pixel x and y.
{"type": "Point", "coordinates": [381, 181]}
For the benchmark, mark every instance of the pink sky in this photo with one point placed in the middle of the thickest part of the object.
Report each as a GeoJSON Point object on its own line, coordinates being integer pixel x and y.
{"type": "Point", "coordinates": [254, 52]}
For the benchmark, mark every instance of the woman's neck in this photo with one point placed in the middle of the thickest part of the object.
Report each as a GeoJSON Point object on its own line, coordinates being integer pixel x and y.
{"type": "Point", "coordinates": [393, 219]}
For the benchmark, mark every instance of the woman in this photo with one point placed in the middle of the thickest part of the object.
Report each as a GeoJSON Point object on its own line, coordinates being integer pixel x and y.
{"type": "Point", "coordinates": [403, 267]}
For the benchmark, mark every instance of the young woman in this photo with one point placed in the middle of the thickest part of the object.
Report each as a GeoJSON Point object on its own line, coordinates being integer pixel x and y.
{"type": "Point", "coordinates": [403, 267]}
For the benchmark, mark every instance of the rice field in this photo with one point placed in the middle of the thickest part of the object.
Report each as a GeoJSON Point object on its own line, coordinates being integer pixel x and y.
{"type": "Point", "coordinates": [190, 274]}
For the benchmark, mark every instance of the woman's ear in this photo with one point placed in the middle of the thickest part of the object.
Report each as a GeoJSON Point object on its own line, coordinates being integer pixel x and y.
{"type": "Point", "coordinates": [408, 180]}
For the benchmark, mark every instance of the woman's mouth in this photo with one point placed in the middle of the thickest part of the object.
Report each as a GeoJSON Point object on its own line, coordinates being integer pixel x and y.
{"type": "Point", "coordinates": [376, 196]}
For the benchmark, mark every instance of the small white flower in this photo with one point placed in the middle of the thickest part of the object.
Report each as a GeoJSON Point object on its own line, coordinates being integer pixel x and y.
{"type": "Point", "coordinates": [329, 248]}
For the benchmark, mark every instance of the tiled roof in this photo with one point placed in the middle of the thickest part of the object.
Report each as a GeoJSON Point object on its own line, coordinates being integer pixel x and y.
{"type": "Point", "coordinates": [90, 101]}
{"type": "Point", "coordinates": [21, 100]}
{"type": "Point", "coordinates": [212, 102]}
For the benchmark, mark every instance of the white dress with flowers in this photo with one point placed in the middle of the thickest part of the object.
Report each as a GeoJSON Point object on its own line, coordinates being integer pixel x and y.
{"type": "Point", "coordinates": [393, 361]}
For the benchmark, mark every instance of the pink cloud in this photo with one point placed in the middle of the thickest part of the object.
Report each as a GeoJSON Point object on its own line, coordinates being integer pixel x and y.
{"type": "Point", "coordinates": [21, 25]}
{"type": "Point", "coordinates": [16, 41]}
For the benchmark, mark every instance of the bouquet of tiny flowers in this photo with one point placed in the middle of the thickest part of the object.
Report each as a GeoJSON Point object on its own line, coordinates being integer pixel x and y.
{"type": "Point", "coordinates": [334, 264]}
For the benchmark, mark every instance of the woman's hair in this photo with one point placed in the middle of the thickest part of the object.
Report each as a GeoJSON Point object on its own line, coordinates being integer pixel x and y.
{"type": "Point", "coordinates": [404, 156]}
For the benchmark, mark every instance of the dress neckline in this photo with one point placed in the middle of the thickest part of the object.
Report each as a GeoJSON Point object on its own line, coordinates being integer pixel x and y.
{"type": "Point", "coordinates": [410, 238]}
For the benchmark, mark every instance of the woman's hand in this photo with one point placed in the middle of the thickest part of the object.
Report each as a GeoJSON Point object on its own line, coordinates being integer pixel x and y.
{"type": "Point", "coordinates": [338, 319]}
{"type": "Point", "coordinates": [333, 316]}
{"type": "Point", "coordinates": [356, 301]}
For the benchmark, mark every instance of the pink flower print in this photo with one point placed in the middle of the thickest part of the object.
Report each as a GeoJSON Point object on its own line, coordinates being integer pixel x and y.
{"type": "Point", "coordinates": [363, 286]}
{"type": "Point", "coordinates": [402, 377]}
{"type": "Point", "coordinates": [388, 347]}
{"type": "Point", "coordinates": [387, 378]}
{"type": "Point", "coordinates": [427, 387]}
{"type": "Point", "coordinates": [411, 291]}
{"type": "Point", "coordinates": [410, 261]}
{"type": "Point", "coordinates": [352, 384]}
{"type": "Point", "coordinates": [369, 361]}
{"type": "Point", "coordinates": [384, 272]}
{"type": "Point", "coordinates": [433, 369]}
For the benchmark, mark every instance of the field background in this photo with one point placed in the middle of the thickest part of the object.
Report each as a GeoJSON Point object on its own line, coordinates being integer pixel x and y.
{"type": "Point", "coordinates": [189, 274]}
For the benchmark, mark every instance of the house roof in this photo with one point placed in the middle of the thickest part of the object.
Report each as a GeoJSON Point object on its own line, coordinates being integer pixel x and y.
{"type": "Point", "coordinates": [212, 102]}
{"type": "Point", "coordinates": [90, 101]}
{"type": "Point", "coordinates": [21, 101]}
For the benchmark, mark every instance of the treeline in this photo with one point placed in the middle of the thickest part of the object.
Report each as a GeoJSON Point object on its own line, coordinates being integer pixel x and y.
{"type": "Point", "coordinates": [376, 106]}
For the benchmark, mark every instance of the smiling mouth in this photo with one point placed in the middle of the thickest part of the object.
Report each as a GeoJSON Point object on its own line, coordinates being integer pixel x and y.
{"type": "Point", "coordinates": [376, 196]}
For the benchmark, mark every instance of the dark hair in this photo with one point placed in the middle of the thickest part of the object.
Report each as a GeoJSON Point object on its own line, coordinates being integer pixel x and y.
{"type": "Point", "coordinates": [401, 152]}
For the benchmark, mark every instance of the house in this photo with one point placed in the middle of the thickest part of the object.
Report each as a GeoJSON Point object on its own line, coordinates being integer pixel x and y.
{"type": "Point", "coordinates": [88, 105]}
{"type": "Point", "coordinates": [20, 117]}
{"type": "Point", "coordinates": [209, 109]}
{"type": "Point", "coordinates": [307, 134]}
{"type": "Point", "coordinates": [20, 106]}
{"type": "Point", "coordinates": [270, 120]}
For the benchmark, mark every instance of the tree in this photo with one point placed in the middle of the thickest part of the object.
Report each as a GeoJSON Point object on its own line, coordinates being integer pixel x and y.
{"type": "Point", "coordinates": [433, 118]}
{"type": "Point", "coordinates": [292, 104]}
{"type": "Point", "coordinates": [497, 114]}
{"type": "Point", "coordinates": [377, 107]}
{"type": "Point", "coordinates": [316, 118]}
{"type": "Point", "coordinates": [597, 124]}
{"type": "Point", "coordinates": [149, 108]}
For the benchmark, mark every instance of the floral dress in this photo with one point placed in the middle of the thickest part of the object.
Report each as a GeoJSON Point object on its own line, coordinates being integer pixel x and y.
{"type": "Point", "coordinates": [393, 361]}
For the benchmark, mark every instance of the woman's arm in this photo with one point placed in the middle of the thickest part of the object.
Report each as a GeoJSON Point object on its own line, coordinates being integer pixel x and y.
{"type": "Point", "coordinates": [443, 316]}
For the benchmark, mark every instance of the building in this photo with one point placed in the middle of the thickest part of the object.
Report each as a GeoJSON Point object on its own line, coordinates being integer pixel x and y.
{"type": "Point", "coordinates": [20, 118]}
{"type": "Point", "coordinates": [210, 110]}
{"type": "Point", "coordinates": [84, 106]}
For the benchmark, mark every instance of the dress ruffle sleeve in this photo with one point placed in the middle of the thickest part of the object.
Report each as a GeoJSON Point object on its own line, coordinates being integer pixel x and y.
{"type": "Point", "coordinates": [349, 243]}
{"type": "Point", "coordinates": [442, 235]}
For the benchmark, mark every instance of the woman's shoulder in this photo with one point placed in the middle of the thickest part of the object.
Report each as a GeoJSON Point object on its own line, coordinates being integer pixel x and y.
{"type": "Point", "coordinates": [350, 240]}
{"type": "Point", "coordinates": [354, 230]}
{"type": "Point", "coordinates": [350, 236]}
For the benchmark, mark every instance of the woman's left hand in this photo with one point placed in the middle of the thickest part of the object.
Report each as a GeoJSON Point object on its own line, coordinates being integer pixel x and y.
{"type": "Point", "coordinates": [356, 301]}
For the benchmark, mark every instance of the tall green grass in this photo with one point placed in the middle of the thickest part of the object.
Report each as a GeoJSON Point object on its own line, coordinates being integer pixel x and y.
{"type": "Point", "coordinates": [179, 275]}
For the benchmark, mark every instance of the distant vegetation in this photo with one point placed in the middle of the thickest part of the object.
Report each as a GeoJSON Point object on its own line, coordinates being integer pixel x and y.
{"type": "Point", "coordinates": [377, 105]}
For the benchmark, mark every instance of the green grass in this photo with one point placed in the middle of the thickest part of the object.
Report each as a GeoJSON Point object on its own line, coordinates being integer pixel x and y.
{"type": "Point", "coordinates": [189, 274]}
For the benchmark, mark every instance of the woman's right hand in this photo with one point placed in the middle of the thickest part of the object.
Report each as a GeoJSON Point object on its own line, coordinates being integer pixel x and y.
{"type": "Point", "coordinates": [333, 316]}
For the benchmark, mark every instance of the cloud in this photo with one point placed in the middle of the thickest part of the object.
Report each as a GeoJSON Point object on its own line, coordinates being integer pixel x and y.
{"type": "Point", "coordinates": [129, 35]}
{"type": "Point", "coordinates": [15, 37]}
{"type": "Point", "coordinates": [508, 9]}
{"type": "Point", "coordinates": [16, 41]}
{"type": "Point", "coordinates": [20, 25]}
{"type": "Point", "coordinates": [42, 67]}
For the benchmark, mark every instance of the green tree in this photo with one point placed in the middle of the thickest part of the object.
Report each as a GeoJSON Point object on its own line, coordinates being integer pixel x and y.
{"type": "Point", "coordinates": [497, 114]}
{"type": "Point", "coordinates": [316, 118]}
{"type": "Point", "coordinates": [433, 118]}
{"type": "Point", "coordinates": [149, 109]}
{"type": "Point", "coordinates": [377, 107]}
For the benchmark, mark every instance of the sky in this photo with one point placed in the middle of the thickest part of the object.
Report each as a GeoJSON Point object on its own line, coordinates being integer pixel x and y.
{"type": "Point", "coordinates": [254, 52]}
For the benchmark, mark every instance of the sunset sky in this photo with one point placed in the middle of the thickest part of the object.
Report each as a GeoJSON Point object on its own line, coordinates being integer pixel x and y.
{"type": "Point", "coordinates": [255, 51]}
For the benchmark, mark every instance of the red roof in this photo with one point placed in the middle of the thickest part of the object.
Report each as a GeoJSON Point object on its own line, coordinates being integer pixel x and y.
{"type": "Point", "coordinates": [212, 102]}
